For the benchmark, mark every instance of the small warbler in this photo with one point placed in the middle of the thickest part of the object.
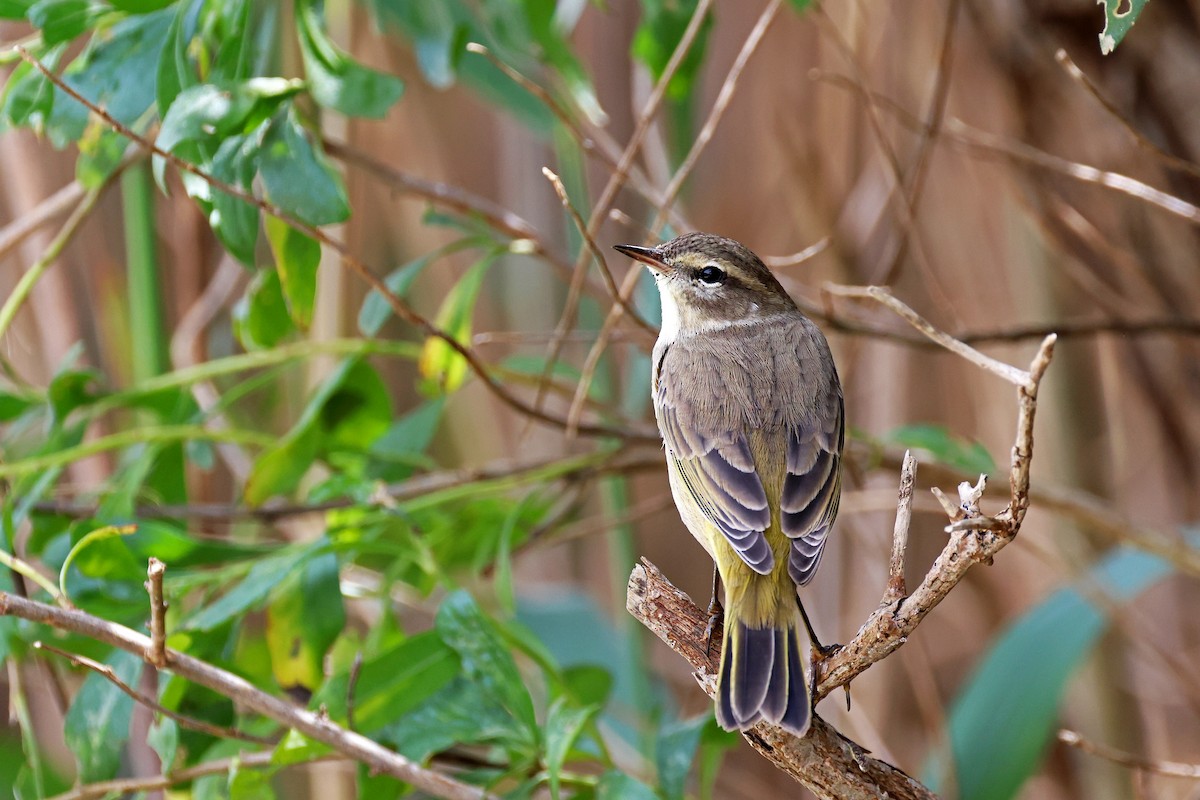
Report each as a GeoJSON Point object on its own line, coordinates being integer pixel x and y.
{"type": "Point", "coordinates": [750, 408]}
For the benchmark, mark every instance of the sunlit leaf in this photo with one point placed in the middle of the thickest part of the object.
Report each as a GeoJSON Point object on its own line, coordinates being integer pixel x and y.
{"type": "Point", "coordinates": [297, 256]}
{"type": "Point", "coordinates": [442, 367]}
{"type": "Point", "coordinates": [303, 620]}
{"type": "Point", "coordinates": [660, 32]}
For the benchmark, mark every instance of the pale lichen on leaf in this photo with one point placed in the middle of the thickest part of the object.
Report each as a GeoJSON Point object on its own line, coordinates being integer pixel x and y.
{"type": "Point", "coordinates": [1119, 16]}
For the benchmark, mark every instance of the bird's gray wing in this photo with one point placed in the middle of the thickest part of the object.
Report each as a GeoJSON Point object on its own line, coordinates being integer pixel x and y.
{"type": "Point", "coordinates": [713, 458]}
{"type": "Point", "coordinates": [812, 487]}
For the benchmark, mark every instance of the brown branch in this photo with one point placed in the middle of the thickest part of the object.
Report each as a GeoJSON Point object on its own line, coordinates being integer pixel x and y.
{"type": "Point", "coordinates": [1172, 769]}
{"type": "Point", "coordinates": [624, 462]}
{"type": "Point", "coordinates": [908, 476]}
{"type": "Point", "coordinates": [823, 755]}
{"type": "Point", "coordinates": [829, 764]}
{"type": "Point", "coordinates": [149, 702]}
{"type": "Point", "coordinates": [313, 725]}
{"type": "Point", "coordinates": [359, 268]}
{"type": "Point", "coordinates": [124, 786]}
{"type": "Point", "coordinates": [156, 654]}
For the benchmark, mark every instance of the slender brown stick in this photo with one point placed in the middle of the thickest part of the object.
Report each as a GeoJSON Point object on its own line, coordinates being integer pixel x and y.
{"type": "Point", "coordinates": [398, 305]}
{"type": "Point", "coordinates": [126, 786]}
{"type": "Point", "coordinates": [631, 278]}
{"type": "Point", "coordinates": [883, 296]}
{"type": "Point", "coordinates": [157, 653]}
{"type": "Point", "coordinates": [829, 764]}
{"type": "Point", "coordinates": [311, 724]}
{"type": "Point", "coordinates": [1172, 769]}
{"type": "Point", "coordinates": [908, 476]}
{"type": "Point", "coordinates": [149, 702]}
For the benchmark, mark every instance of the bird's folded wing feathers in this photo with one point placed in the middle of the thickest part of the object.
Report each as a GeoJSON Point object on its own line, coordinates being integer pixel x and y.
{"type": "Point", "coordinates": [718, 472]}
{"type": "Point", "coordinates": [812, 488]}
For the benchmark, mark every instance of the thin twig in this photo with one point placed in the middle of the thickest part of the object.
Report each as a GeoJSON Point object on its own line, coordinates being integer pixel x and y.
{"type": "Point", "coordinates": [1080, 77]}
{"type": "Point", "coordinates": [127, 786]}
{"type": "Point", "coordinates": [818, 247]}
{"type": "Point", "coordinates": [604, 204]}
{"type": "Point", "coordinates": [32, 275]}
{"type": "Point", "coordinates": [105, 671]}
{"type": "Point", "coordinates": [908, 476]}
{"type": "Point", "coordinates": [724, 96]}
{"type": "Point", "coordinates": [157, 654]}
{"type": "Point", "coordinates": [883, 296]}
{"type": "Point", "coordinates": [312, 724]}
{"type": "Point", "coordinates": [398, 305]}
{"type": "Point", "coordinates": [597, 253]}
{"type": "Point", "coordinates": [1172, 769]}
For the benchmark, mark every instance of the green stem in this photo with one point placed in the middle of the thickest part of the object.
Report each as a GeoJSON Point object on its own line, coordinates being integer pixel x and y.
{"type": "Point", "coordinates": [164, 434]}
{"type": "Point", "coordinates": [25, 285]}
{"type": "Point", "coordinates": [147, 327]}
{"type": "Point", "coordinates": [26, 569]}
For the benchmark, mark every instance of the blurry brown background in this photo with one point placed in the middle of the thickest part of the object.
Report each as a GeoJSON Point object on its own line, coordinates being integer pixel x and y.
{"type": "Point", "coordinates": [998, 240]}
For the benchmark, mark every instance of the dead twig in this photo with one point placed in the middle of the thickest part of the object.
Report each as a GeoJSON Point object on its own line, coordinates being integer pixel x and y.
{"type": "Point", "coordinates": [313, 725]}
{"type": "Point", "coordinates": [105, 671]}
{"type": "Point", "coordinates": [1173, 769]}
{"type": "Point", "coordinates": [908, 476]}
{"type": "Point", "coordinates": [156, 654]}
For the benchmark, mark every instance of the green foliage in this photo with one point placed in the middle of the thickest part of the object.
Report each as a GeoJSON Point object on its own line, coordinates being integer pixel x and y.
{"type": "Point", "coordinates": [534, 686]}
{"type": "Point", "coordinates": [1117, 23]}
{"type": "Point", "coordinates": [936, 440]}
{"type": "Point", "coordinates": [1004, 717]}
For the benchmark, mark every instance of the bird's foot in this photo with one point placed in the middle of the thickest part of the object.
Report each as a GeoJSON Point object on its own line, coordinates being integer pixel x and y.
{"type": "Point", "coordinates": [716, 623]}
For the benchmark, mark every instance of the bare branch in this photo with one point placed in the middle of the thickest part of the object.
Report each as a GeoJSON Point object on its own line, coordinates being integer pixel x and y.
{"type": "Point", "coordinates": [1173, 769]}
{"type": "Point", "coordinates": [313, 725]}
{"type": "Point", "coordinates": [149, 702]}
{"type": "Point", "coordinates": [124, 786]}
{"type": "Point", "coordinates": [156, 654]}
{"type": "Point", "coordinates": [908, 476]}
{"type": "Point", "coordinates": [882, 295]}
{"type": "Point", "coordinates": [825, 761]}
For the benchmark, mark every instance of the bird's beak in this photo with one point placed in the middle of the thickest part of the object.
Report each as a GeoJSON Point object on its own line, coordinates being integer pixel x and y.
{"type": "Point", "coordinates": [652, 257]}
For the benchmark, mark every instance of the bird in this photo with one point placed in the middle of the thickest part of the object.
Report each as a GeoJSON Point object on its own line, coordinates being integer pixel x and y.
{"type": "Point", "coordinates": [748, 401]}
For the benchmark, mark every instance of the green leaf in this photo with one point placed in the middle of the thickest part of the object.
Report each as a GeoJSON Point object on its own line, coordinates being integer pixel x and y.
{"type": "Point", "coordinates": [14, 9]}
{"type": "Point", "coordinates": [297, 256]}
{"type": "Point", "coordinates": [140, 6]}
{"type": "Point", "coordinates": [297, 177]}
{"type": "Point", "coordinates": [71, 389]}
{"type": "Point", "coordinates": [485, 659]}
{"type": "Point", "coordinates": [1117, 22]}
{"type": "Point", "coordinates": [676, 752]}
{"type": "Point", "coordinates": [442, 367]}
{"type": "Point", "coordinates": [97, 724]}
{"type": "Point", "coordinates": [250, 784]}
{"type": "Point", "coordinates": [296, 748]}
{"type": "Point", "coordinates": [619, 786]}
{"type": "Point", "coordinates": [303, 620]}
{"type": "Point", "coordinates": [62, 20]}
{"type": "Point", "coordinates": [264, 576]}
{"type": "Point", "coordinates": [233, 220]}
{"type": "Point", "coordinates": [393, 682]}
{"type": "Point", "coordinates": [337, 81]}
{"type": "Point", "coordinates": [375, 309]}
{"type": "Point", "coordinates": [260, 319]}
{"type": "Point", "coordinates": [563, 726]}
{"type": "Point", "coordinates": [660, 32]}
{"type": "Point", "coordinates": [28, 97]}
{"type": "Point", "coordinates": [14, 405]}
{"type": "Point", "coordinates": [163, 737]}
{"type": "Point", "coordinates": [588, 684]}
{"type": "Point", "coordinates": [970, 457]}
{"type": "Point", "coordinates": [211, 113]}
{"type": "Point", "coordinates": [1002, 721]}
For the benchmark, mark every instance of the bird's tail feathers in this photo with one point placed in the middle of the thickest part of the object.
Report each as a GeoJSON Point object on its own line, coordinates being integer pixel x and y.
{"type": "Point", "coordinates": [764, 676]}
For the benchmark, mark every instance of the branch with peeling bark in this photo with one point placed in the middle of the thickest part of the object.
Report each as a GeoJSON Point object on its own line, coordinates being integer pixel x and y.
{"type": "Point", "coordinates": [826, 762]}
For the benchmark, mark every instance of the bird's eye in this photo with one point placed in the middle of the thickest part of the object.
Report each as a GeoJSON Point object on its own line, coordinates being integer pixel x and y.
{"type": "Point", "coordinates": [712, 275]}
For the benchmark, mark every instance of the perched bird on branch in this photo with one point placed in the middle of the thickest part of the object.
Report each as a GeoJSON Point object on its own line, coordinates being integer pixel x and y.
{"type": "Point", "coordinates": [750, 408]}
